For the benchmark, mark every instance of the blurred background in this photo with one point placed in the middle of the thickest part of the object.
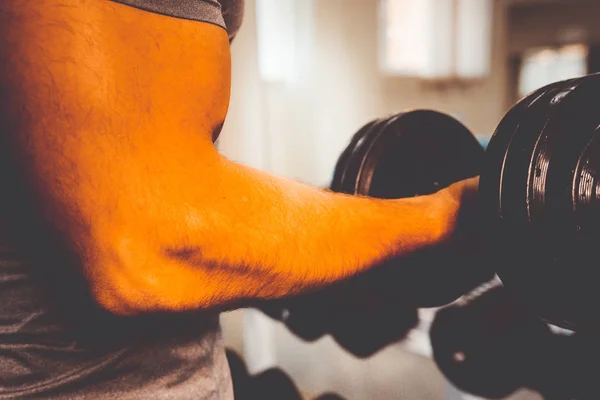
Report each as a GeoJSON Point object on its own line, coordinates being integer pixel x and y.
{"type": "Point", "coordinates": [307, 74]}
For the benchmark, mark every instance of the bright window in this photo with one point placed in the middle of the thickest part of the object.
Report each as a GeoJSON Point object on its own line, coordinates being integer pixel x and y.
{"type": "Point", "coordinates": [543, 66]}
{"type": "Point", "coordinates": [436, 39]}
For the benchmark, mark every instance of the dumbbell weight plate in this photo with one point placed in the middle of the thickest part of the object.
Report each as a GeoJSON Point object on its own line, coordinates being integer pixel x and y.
{"type": "Point", "coordinates": [514, 232]}
{"type": "Point", "coordinates": [239, 374]}
{"type": "Point", "coordinates": [360, 156]}
{"type": "Point", "coordinates": [515, 251]}
{"type": "Point", "coordinates": [486, 344]}
{"type": "Point", "coordinates": [513, 181]}
{"type": "Point", "coordinates": [555, 157]}
{"type": "Point", "coordinates": [586, 191]}
{"type": "Point", "coordinates": [547, 268]}
{"type": "Point", "coordinates": [418, 153]}
{"type": "Point", "coordinates": [496, 152]}
{"type": "Point", "coordinates": [493, 165]}
{"type": "Point", "coordinates": [354, 161]}
{"type": "Point", "coordinates": [494, 162]}
{"type": "Point", "coordinates": [573, 251]}
{"type": "Point", "coordinates": [273, 384]}
{"type": "Point", "coordinates": [586, 188]}
{"type": "Point", "coordinates": [342, 162]}
{"type": "Point", "coordinates": [309, 316]}
{"type": "Point", "coordinates": [489, 183]}
{"type": "Point", "coordinates": [312, 315]}
{"type": "Point", "coordinates": [365, 331]}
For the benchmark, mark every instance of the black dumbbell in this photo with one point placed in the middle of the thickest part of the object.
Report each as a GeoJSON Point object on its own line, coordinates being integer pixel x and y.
{"type": "Point", "coordinates": [239, 374]}
{"type": "Point", "coordinates": [363, 331]}
{"type": "Point", "coordinates": [539, 192]}
{"type": "Point", "coordinates": [308, 315]}
{"type": "Point", "coordinates": [273, 384]}
{"type": "Point", "coordinates": [488, 345]}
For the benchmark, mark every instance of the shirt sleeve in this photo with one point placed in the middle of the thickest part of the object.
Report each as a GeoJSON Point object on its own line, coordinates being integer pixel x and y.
{"type": "Point", "coordinates": [227, 14]}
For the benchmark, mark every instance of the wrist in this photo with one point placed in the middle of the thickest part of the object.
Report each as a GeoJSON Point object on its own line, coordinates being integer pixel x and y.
{"type": "Point", "coordinates": [444, 213]}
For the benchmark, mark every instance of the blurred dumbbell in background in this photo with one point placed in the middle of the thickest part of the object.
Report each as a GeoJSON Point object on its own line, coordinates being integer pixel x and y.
{"type": "Point", "coordinates": [270, 384]}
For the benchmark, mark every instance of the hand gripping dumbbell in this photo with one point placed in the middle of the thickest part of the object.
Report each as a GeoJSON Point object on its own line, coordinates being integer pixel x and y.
{"type": "Point", "coordinates": [408, 154]}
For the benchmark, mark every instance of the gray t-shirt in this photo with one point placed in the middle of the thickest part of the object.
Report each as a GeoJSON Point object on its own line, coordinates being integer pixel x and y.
{"type": "Point", "coordinates": [225, 13]}
{"type": "Point", "coordinates": [55, 343]}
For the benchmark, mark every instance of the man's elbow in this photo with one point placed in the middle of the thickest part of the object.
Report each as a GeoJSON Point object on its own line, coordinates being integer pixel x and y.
{"type": "Point", "coordinates": [133, 286]}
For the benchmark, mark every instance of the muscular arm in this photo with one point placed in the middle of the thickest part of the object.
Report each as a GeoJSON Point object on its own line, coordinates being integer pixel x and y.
{"type": "Point", "coordinates": [113, 109]}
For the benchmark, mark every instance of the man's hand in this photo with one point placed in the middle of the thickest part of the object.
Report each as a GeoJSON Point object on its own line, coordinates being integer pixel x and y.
{"type": "Point", "coordinates": [377, 307]}
{"type": "Point", "coordinates": [458, 207]}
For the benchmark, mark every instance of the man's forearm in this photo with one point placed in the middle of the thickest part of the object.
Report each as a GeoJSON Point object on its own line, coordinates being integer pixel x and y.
{"type": "Point", "coordinates": [242, 233]}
